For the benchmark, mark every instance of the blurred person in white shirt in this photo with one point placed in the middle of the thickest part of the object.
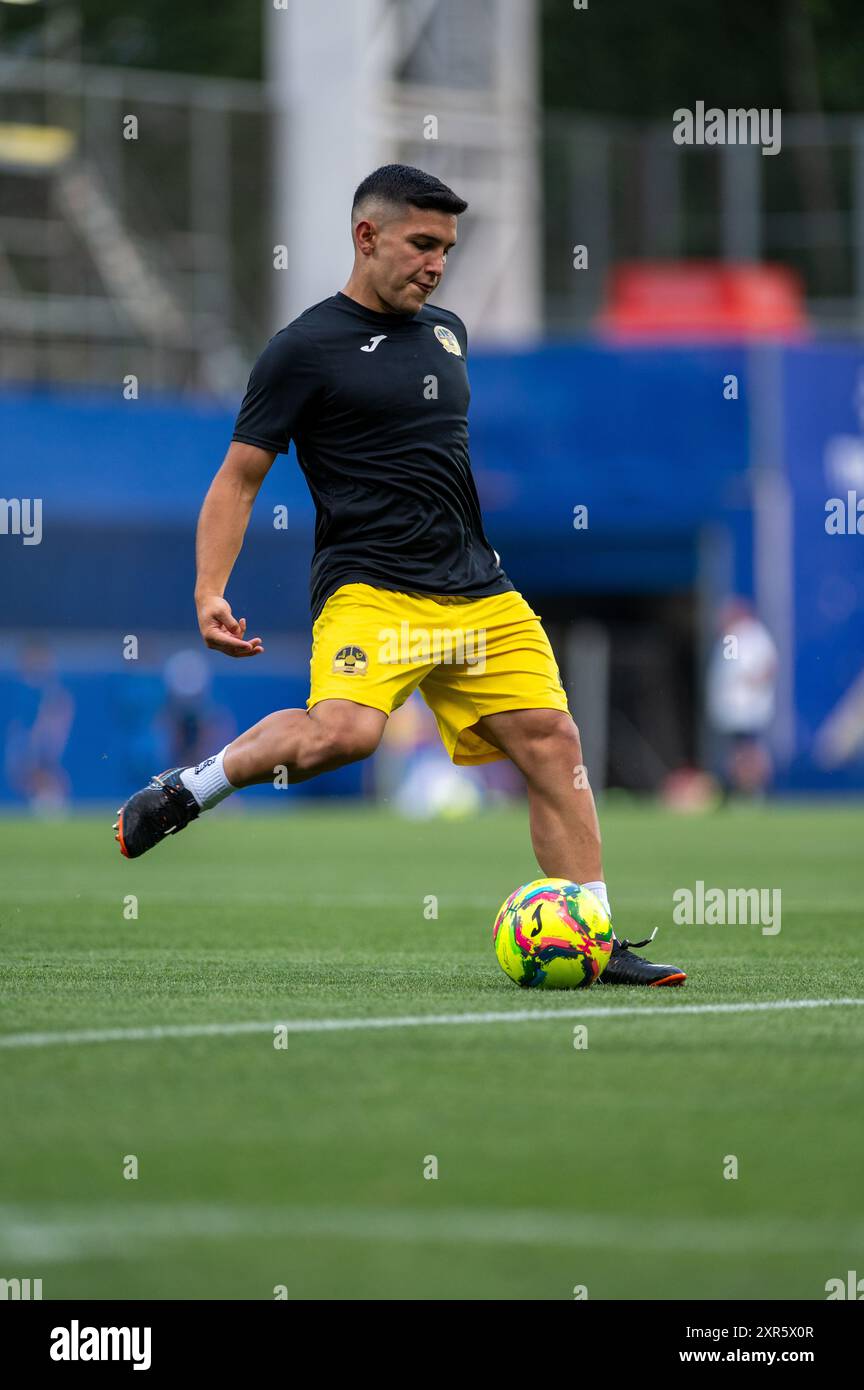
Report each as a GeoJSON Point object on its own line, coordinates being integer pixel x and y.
{"type": "Point", "coordinates": [741, 687]}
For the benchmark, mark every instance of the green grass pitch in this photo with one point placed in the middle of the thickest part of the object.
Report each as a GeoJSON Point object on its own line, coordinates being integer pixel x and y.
{"type": "Point", "coordinates": [303, 1167]}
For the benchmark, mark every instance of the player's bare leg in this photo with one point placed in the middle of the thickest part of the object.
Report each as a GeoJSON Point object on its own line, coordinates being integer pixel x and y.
{"type": "Point", "coordinates": [294, 744]}
{"type": "Point", "coordinates": [305, 742]}
{"type": "Point", "coordinates": [565, 832]}
{"type": "Point", "coordinates": [545, 746]}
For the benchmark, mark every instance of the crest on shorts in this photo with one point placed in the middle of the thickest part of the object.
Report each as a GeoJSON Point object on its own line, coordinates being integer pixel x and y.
{"type": "Point", "coordinates": [350, 661]}
{"type": "Point", "coordinates": [448, 340]}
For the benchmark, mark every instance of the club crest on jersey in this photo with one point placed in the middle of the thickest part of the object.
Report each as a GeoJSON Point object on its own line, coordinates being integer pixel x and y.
{"type": "Point", "coordinates": [350, 661]}
{"type": "Point", "coordinates": [448, 340]}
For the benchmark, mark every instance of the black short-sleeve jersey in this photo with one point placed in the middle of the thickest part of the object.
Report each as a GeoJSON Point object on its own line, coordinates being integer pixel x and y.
{"type": "Point", "coordinates": [377, 407]}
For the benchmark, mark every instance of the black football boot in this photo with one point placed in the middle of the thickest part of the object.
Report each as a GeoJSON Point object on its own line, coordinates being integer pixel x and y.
{"type": "Point", "coordinates": [164, 806]}
{"type": "Point", "coordinates": [623, 968]}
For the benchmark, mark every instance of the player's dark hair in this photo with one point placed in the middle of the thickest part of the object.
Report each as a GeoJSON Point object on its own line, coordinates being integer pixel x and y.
{"type": "Point", "coordinates": [400, 184]}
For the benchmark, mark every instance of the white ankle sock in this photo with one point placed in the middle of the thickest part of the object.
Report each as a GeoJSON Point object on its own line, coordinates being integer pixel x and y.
{"type": "Point", "coordinates": [599, 891]}
{"type": "Point", "coordinates": [207, 782]}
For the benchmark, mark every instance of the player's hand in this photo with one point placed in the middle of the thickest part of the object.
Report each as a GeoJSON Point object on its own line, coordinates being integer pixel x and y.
{"type": "Point", "coordinates": [222, 631]}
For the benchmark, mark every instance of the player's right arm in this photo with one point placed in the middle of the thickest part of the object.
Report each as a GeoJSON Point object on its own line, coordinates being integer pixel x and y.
{"type": "Point", "coordinates": [221, 528]}
{"type": "Point", "coordinates": [285, 380]}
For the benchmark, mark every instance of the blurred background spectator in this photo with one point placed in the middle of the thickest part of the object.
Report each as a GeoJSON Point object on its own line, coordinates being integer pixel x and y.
{"type": "Point", "coordinates": [741, 698]}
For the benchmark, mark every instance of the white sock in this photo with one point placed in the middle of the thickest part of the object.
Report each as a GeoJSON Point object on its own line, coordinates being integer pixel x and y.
{"type": "Point", "coordinates": [599, 891]}
{"type": "Point", "coordinates": [207, 782]}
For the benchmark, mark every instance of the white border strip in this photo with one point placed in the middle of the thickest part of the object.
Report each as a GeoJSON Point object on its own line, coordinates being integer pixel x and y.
{"type": "Point", "coordinates": [348, 1025]}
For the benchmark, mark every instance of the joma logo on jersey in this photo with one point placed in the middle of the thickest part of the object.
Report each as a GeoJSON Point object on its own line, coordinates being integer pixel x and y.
{"type": "Point", "coordinates": [448, 340]}
{"type": "Point", "coordinates": [350, 661]}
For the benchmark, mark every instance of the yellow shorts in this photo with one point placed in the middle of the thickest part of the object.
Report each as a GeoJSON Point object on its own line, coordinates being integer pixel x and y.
{"type": "Point", "coordinates": [468, 657]}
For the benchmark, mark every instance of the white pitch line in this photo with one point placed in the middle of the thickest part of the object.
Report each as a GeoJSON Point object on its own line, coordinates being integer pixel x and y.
{"type": "Point", "coordinates": [348, 1025]}
{"type": "Point", "coordinates": [72, 1234]}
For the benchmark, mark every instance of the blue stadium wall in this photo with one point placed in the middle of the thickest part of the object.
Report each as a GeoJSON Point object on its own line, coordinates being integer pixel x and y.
{"type": "Point", "coordinates": [646, 440]}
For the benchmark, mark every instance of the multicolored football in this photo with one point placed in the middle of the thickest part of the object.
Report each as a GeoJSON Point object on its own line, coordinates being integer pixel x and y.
{"type": "Point", "coordinates": [553, 934]}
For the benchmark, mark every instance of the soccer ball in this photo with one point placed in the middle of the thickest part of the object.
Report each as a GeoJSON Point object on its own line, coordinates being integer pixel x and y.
{"type": "Point", "coordinates": [552, 934]}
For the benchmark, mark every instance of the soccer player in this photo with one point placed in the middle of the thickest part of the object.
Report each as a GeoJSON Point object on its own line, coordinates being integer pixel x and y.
{"type": "Point", "coordinates": [407, 592]}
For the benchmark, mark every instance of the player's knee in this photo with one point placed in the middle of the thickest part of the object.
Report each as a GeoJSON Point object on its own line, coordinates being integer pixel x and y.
{"type": "Point", "coordinates": [352, 745]}
{"type": "Point", "coordinates": [552, 732]}
{"type": "Point", "coordinates": [339, 740]}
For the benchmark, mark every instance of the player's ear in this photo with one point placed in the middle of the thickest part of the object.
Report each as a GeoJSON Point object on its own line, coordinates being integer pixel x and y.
{"type": "Point", "coordinates": [365, 236]}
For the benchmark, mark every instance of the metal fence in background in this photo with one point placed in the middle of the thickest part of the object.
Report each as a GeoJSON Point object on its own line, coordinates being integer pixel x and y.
{"type": "Point", "coordinates": [144, 246]}
{"type": "Point", "coordinates": [628, 192]}
{"type": "Point", "coordinates": [146, 249]}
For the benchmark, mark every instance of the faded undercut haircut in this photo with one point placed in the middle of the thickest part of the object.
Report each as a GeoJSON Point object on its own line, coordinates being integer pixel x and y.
{"type": "Point", "coordinates": [399, 185]}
